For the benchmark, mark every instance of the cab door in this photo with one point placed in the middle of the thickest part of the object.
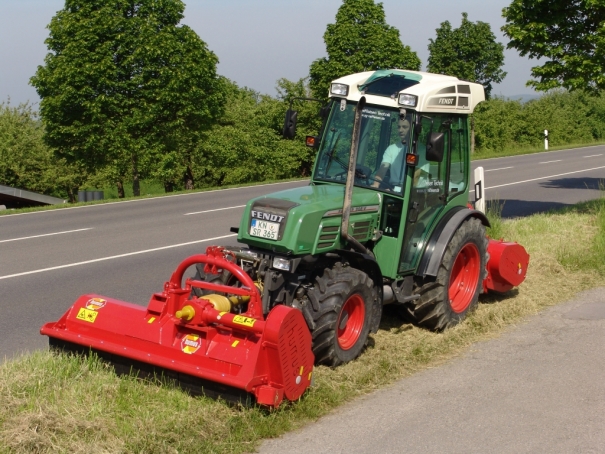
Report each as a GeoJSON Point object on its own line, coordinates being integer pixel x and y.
{"type": "Point", "coordinates": [427, 197]}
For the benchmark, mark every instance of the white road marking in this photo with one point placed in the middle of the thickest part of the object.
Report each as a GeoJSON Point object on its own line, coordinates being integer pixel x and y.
{"type": "Point", "coordinates": [45, 234]}
{"type": "Point", "coordinates": [593, 155]}
{"type": "Point", "coordinates": [113, 257]}
{"type": "Point", "coordinates": [153, 198]}
{"type": "Point", "coordinates": [541, 178]}
{"type": "Point", "coordinates": [548, 162]}
{"type": "Point", "coordinates": [501, 168]}
{"type": "Point", "coordinates": [533, 154]}
{"type": "Point", "coordinates": [217, 209]}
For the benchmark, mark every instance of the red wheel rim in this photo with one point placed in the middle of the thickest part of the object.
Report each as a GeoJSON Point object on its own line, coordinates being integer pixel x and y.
{"type": "Point", "coordinates": [350, 322]}
{"type": "Point", "coordinates": [464, 278]}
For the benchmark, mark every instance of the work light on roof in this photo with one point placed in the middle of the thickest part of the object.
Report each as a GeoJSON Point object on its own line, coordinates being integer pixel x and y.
{"type": "Point", "coordinates": [339, 89]}
{"type": "Point", "coordinates": [408, 100]}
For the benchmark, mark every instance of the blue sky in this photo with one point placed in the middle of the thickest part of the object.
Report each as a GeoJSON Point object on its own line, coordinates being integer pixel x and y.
{"type": "Point", "coordinates": [257, 41]}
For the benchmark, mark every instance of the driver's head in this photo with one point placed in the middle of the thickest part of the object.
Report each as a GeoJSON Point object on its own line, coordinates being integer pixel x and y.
{"type": "Point", "coordinates": [403, 128]}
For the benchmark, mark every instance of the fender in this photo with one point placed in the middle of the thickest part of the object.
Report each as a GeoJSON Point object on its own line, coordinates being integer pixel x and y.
{"type": "Point", "coordinates": [441, 237]}
{"type": "Point", "coordinates": [368, 265]}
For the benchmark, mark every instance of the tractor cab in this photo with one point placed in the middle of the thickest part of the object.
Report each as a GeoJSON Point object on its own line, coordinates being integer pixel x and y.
{"type": "Point", "coordinates": [412, 148]}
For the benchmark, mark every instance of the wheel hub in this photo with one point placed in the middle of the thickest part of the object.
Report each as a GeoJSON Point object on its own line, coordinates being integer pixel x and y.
{"type": "Point", "coordinates": [464, 278]}
{"type": "Point", "coordinates": [350, 321]}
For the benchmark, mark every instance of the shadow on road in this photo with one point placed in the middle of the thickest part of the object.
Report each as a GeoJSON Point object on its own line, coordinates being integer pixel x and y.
{"type": "Point", "coordinates": [512, 208]}
{"type": "Point", "coordinates": [574, 183]}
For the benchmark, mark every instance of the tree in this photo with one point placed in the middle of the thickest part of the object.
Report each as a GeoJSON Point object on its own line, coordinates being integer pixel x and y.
{"type": "Point", "coordinates": [124, 87]}
{"type": "Point", "coordinates": [569, 34]}
{"type": "Point", "coordinates": [469, 52]}
{"type": "Point", "coordinates": [246, 145]}
{"type": "Point", "coordinates": [360, 40]}
{"type": "Point", "coordinates": [25, 160]}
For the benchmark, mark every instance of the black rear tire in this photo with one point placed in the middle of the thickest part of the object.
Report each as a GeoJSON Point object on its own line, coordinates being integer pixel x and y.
{"type": "Point", "coordinates": [449, 297]}
{"type": "Point", "coordinates": [221, 278]}
{"type": "Point", "coordinates": [340, 314]}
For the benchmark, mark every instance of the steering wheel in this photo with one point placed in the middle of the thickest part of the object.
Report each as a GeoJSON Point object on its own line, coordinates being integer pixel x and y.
{"type": "Point", "coordinates": [362, 173]}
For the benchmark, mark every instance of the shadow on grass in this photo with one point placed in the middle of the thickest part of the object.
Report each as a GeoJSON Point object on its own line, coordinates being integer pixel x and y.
{"type": "Point", "coordinates": [494, 298]}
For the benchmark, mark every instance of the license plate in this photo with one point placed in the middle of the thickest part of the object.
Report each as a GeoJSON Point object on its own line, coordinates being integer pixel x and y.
{"type": "Point", "coordinates": [264, 229]}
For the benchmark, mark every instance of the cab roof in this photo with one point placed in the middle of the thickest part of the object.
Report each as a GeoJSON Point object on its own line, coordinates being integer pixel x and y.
{"type": "Point", "coordinates": [434, 92]}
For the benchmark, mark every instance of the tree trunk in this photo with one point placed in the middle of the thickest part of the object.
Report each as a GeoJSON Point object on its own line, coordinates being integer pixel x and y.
{"type": "Point", "coordinates": [168, 186]}
{"type": "Point", "coordinates": [136, 186]}
{"type": "Point", "coordinates": [121, 194]}
{"type": "Point", "coordinates": [71, 194]}
{"type": "Point", "coordinates": [188, 179]}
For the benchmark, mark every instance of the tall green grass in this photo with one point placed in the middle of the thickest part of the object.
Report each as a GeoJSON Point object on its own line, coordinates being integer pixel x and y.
{"type": "Point", "coordinates": [494, 215]}
{"type": "Point", "coordinates": [577, 255]}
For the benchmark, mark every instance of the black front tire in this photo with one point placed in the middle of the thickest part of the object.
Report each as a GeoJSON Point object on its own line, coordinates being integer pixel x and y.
{"type": "Point", "coordinates": [339, 314]}
{"type": "Point", "coordinates": [447, 299]}
{"type": "Point", "coordinates": [224, 277]}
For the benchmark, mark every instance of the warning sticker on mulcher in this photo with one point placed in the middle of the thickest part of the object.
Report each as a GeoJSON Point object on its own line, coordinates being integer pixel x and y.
{"type": "Point", "coordinates": [87, 315]}
{"type": "Point", "coordinates": [191, 343]}
{"type": "Point", "coordinates": [246, 321]}
{"type": "Point", "coordinates": [95, 303]}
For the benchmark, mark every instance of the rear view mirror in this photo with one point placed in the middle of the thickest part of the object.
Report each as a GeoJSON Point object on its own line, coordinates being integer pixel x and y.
{"type": "Point", "coordinates": [289, 130]}
{"type": "Point", "coordinates": [434, 147]}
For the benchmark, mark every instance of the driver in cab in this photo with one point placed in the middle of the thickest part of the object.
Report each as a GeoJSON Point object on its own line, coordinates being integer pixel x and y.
{"type": "Point", "coordinates": [392, 160]}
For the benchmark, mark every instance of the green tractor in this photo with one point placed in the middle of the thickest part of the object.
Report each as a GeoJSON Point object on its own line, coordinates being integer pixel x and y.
{"type": "Point", "coordinates": [384, 220]}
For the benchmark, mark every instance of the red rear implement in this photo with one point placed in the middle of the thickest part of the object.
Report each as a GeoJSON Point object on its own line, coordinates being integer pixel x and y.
{"type": "Point", "coordinates": [269, 358]}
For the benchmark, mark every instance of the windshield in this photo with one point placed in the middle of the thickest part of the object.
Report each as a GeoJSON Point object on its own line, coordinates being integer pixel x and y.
{"type": "Point", "coordinates": [383, 142]}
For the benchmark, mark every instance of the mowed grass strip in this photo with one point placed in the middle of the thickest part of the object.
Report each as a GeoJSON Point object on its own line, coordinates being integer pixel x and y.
{"type": "Point", "coordinates": [58, 403]}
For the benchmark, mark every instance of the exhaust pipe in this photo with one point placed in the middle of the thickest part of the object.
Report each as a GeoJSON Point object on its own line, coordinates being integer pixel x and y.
{"type": "Point", "coordinates": [346, 206]}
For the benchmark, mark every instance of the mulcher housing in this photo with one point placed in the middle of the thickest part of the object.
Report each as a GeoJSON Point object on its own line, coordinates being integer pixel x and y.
{"type": "Point", "coordinates": [384, 220]}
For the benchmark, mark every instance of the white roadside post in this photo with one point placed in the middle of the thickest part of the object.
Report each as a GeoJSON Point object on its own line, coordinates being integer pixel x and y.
{"type": "Point", "coordinates": [546, 139]}
{"type": "Point", "coordinates": [479, 190]}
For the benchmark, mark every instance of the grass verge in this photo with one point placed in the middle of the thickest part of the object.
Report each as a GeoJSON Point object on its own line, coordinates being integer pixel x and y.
{"type": "Point", "coordinates": [147, 195]}
{"type": "Point", "coordinates": [56, 403]}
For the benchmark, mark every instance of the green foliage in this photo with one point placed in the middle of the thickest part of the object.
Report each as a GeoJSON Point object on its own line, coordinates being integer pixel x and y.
{"type": "Point", "coordinates": [568, 34]}
{"type": "Point", "coordinates": [360, 40]}
{"type": "Point", "coordinates": [570, 118]}
{"type": "Point", "coordinates": [125, 90]}
{"type": "Point", "coordinates": [25, 160]}
{"type": "Point", "coordinates": [469, 52]}
{"type": "Point", "coordinates": [246, 145]}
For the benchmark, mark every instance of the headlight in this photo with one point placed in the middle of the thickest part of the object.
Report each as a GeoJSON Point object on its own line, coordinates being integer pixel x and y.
{"type": "Point", "coordinates": [281, 264]}
{"type": "Point", "coordinates": [408, 100]}
{"type": "Point", "coordinates": [339, 89]}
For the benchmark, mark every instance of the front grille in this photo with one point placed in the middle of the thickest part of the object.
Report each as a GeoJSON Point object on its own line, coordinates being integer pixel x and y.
{"type": "Point", "coordinates": [361, 230]}
{"type": "Point", "coordinates": [328, 236]}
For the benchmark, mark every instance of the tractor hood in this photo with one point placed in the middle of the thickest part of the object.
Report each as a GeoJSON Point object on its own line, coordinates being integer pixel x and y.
{"type": "Point", "coordinates": [307, 220]}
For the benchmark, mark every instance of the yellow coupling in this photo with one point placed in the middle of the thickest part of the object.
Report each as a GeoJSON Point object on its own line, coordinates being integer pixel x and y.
{"type": "Point", "coordinates": [224, 304]}
{"type": "Point", "coordinates": [221, 303]}
{"type": "Point", "coordinates": [186, 313]}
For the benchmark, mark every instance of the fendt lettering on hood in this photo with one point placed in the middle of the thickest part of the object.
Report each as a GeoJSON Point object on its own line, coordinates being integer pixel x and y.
{"type": "Point", "coordinates": [267, 216]}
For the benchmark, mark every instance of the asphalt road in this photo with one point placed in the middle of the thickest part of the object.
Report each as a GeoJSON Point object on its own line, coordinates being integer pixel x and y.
{"type": "Point", "coordinates": [537, 389]}
{"type": "Point", "coordinates": [543, 181]}
{"type": "Point", "coordinates": [127, 250]}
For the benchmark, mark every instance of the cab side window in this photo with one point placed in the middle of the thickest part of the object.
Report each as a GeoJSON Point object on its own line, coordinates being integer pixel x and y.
{"type": "Point", "coordinates": [459, 153]}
